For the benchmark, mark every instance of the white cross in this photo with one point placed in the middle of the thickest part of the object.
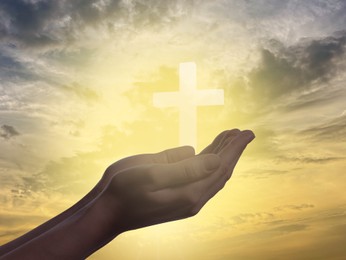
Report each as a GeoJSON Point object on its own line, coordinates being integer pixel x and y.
{"type": "Point", "coordinates": [187, 99]}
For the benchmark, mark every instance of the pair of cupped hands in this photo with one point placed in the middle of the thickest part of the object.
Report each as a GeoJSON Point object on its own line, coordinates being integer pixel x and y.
{"type": "Point", "coordinates": [135, 192]}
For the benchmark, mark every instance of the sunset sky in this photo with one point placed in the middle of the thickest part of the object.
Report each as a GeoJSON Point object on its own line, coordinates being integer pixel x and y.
{"type": "Point", "coordinates": [77, 80]}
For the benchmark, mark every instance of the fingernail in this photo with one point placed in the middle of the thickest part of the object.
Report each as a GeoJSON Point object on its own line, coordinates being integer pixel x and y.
{"type": "Point", "coordinates": [249, 135]}
{"type": "Point", "coordinates": [211, 162]}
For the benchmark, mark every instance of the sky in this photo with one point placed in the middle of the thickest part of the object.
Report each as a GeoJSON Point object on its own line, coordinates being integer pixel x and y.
{"type": "Point", "coordinates": [77, 80]}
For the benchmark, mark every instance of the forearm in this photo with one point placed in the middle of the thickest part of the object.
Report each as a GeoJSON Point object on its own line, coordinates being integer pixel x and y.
{"type": "Point", "coordinates": [124, 163]}
{"type": "Point", "coordinates": [6, 248]}
{"type": "Point", "coordinates": [76, 237]}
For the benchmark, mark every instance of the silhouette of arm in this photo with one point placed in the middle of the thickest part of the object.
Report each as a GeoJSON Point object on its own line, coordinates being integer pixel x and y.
{"type": "Point", "coordinates": [168, 156]}
{"type": "Point", "coordinates": [139, 196]}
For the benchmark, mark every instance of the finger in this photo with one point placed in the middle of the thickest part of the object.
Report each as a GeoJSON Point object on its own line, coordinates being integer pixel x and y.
{"type": "Point", "coordinates": [174, 154]}
{"type": "Point", "coordinates": [219, 140]}
{"type": "Point", "coordinates": [234, 151]}
{"type": "Point", "coordinates": [193, 196]}
{"type": "Point", "coordinates": [230, 135]}
{"type": "Point", "coordinates": [229, 138]}
{"type": "Point", "coordinates": [185, 171]}
{"type": "Point", "coordinates": [166, 156]}
{"type": "Point", "coordinates": [231, 152]}
{"type": "Point", "coordinates": [211, 147]}
{"type": "Point", "coordinates": [187, 196]}
{"type": "Point", "coordinates": [229, 156]}
{"type": "Point", "coordinates": [210, 192]}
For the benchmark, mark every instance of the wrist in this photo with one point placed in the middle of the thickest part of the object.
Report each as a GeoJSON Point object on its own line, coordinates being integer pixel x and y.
{"type": "Point", "coordinates": [98, 224]}
{"type": "Point", "coordinates": [90, 229]}
{"type": "Point", "coordinates": [78, 236]}
{"type": "Point", "coordinates": [107, 209]}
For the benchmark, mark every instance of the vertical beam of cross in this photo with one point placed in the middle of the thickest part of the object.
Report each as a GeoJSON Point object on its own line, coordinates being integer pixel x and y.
{"type": "Point", "coordinates": [187, 99]}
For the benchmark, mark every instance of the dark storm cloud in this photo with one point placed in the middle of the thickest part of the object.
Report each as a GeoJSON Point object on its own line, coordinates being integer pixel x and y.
{"type": "Point", "coordinates": [12, 69]}
{"type": "Point", "coordinates": [157, 13]}
{"type": "Point", "coordinates": [335, 20]}
{"type": "Point", "coordinates": [286, 69]}
{"type": "Point", "coordinates": [38, 36]}
{"type": "Point", "coordinates": [8, 132]}
{"type": "Point", "coordinates": [27, 21]}
{"type": "Point", "coordinates": [290, 78]}
{"type": "Point", "coordinates": [47, 23]}
{"type": "Point", "coordinates": [39, 23]}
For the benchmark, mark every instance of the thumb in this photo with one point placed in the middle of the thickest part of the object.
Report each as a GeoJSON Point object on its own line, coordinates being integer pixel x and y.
{"type": "Point", "coordinates": [185, 171]}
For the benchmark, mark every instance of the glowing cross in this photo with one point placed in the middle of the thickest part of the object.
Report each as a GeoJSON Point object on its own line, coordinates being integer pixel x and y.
{"type": "Point", "coordinates": [187, 99]}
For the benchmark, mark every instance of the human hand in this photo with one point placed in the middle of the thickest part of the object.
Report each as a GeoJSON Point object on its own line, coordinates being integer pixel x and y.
{"type": "Point", "coordinates": [161, 191]}
{"type": "Point", "coordinates": [164, 157]}
{"type": "Point", "coordinates": [136, 192]}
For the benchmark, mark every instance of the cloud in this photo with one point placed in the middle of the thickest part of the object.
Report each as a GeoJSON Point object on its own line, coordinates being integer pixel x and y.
{"type": "Point", "coordinates": [60, 41]}
{"type": "Point", "coordinates": [82, 92]}
{"type": "Point", "coordinates": [305, 159]}
{"type": "Point", "coordinates": [267, 218]}
{"type": "Point", "coordinates": [77, 174]}
{"type": "Point", "coordinates": [320, 97]}
{"type": "Point", "coordinates": [12, 69]}
{"type": "Point", "coordinates": [13, 225]}
{"type": "Point", "coordinates": [294, 207]}
{"type": "Point", "coordinates": [14, 220]}
{"type": "Point", "coordinates": [283, 70]}
{"type": "Point", "coordinates": [287, 79]}
{"type": "Point", "coordinates": [258, 173]}
{"type": "Point", "coordinates": [333, 130]}
{"type": "Point", "coordinates": [286, 229]}
{"type": "Point", "coordinates": [38, 24]}
{"type": "Point", "coordinates": [296, 232]}
{"type": "Point", "coordinates": [246, 218]}
{"type": "Point", "coordinates": [8, 132]}
{"type": "Point", "coordinates": [26, 17]}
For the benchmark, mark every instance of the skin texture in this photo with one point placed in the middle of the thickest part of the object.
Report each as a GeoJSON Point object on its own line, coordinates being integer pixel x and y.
{"type": "Point", "coordinates": [135, 192]}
